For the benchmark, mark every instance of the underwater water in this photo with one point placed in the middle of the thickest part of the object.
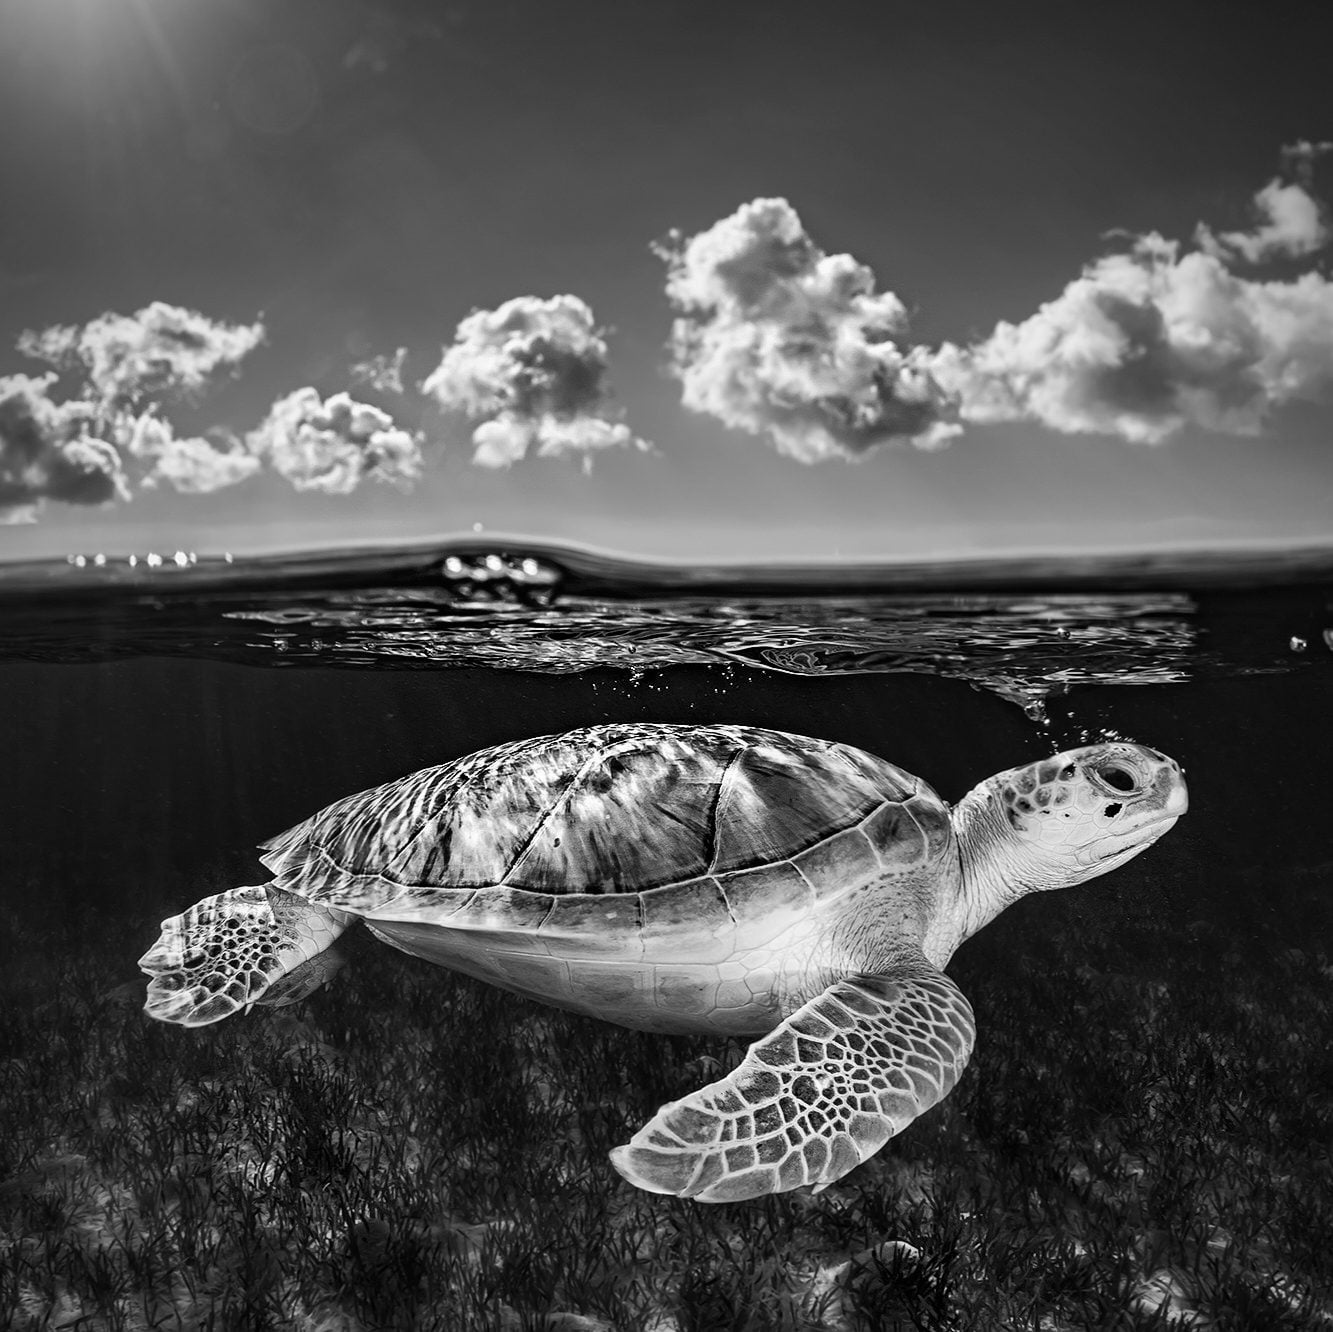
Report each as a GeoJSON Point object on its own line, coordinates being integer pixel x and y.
{"type": "Point", "coordinates": [1143, 1137]}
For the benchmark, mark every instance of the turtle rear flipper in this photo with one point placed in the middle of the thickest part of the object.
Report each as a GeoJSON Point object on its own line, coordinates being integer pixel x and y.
{"type": "Point", "coordinates": [228, 951]}
{"type": "Point", "coordinates": [814, 1098]}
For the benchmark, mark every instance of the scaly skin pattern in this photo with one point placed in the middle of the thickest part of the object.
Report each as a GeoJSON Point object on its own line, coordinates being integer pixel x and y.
{"type": "Point", "coordinates": [691, 878]}
{"type": "Point", "coordinates": [606, 811]}
{"type": "Point", "coordinates": [664, 876]}
{"type": "Point", "coordinates": [727, 953]}
{"type": "Point", "coordinates": [671, 878]}
{"type": "Point", "coordinates": [815, 1098]}
{"type": "Point", "coordinates": [872, 1066]}
{"type": "Point", "coordinates": [240, 947]}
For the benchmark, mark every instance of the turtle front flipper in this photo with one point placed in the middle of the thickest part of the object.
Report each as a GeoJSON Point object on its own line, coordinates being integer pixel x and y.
{"type": "Point", "coordinates": [243, 946]}
{"type": "Point", "coordinates": [814, 1098]}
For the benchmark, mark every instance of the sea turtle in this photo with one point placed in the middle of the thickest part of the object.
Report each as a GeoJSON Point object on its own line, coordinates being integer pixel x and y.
{"type": "Point", "coordinates": [679, 878]}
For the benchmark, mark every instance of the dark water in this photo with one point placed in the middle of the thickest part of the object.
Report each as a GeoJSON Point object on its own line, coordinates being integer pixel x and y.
{"type": "Point", "coordinates": [1143, 1134]}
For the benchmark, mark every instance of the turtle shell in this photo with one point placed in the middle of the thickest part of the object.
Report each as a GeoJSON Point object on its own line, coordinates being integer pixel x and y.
{"type": "Point", "coordinates": [618, 809]}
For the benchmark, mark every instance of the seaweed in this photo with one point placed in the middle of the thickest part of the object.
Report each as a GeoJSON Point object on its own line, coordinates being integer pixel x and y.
{"type": "Point", "coordinates": [1143, 1140]}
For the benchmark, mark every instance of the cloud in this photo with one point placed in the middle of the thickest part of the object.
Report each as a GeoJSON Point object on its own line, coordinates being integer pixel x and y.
{"type": "Point", "coordinates": [87, 449]}
{"type": "Point", "coordinates": [776, 337]}
{"type": "Point", "coordinates": [1293, 227]}
{"type": "Point", "coordinates": [332, 445]}
{"type": "Point", "coordinates": [48, 451]}
{"type": "Point", "coordinates": [1147, 341]}
{"type": "Point", "coordinates": [80, 452]}
{"type": "Point", "coordinates": [1299, 158]}
{"type": "Point", "coordinates": [535, 370]}
{"type": "Point", "coordinates": [197, 465]}
{"type": "Point", "coordinates": [382, 373]}
{"type": "Point", "coordinates": [1159, 336]}
{"type": "Point", "coordinates": [161, 350]}
{"type": "Point", "coordinates": [1292, 222]}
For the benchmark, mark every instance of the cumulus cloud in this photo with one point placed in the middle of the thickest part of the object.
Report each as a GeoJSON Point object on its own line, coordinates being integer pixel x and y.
{"type": "Point", "coordinates": [108, 436]}
{"type": "Point", "coordinates": [332, 445]}
{"type": "Point", "coordinates": [159, 351]}
{"type": "Point", "coordinates": [111, 437]}
{"type": "Point", "coordinates": [776, 337]}
{"type": "Point", "coordinates": [1292, 222]}
{"type": "Point", "coordinates": [196, 465]}
{"type": "Point", "coordinates": [535, 370]}
{"type": "Point", "coordinates": [49, 450]}
{"type": "Point", "coordinates": [1147, 341]}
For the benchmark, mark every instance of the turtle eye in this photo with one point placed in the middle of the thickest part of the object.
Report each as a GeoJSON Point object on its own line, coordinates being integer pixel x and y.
{"type": "Point", "coordinates": [1117, 778]}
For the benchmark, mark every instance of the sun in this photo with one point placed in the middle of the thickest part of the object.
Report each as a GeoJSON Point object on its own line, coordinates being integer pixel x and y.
{"type": "Point", "coordinates": [95, 50]}
{"type": "Point", "coordinates": [106, 88]}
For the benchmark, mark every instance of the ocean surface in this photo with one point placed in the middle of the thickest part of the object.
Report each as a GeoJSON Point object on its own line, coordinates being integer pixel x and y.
{"type": "Point", "coordinates": [1142, 1139]}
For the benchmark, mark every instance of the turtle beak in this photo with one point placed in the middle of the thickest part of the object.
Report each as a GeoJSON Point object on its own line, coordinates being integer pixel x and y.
{"type": "Point", "coordinates": [1171, 791]}
{"type": "Point", "coordinates": [1167, 783]}
{"type": "Point", "coordinates": [1178, 802]}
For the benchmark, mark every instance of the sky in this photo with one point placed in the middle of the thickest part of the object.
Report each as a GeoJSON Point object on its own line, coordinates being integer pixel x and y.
{"type": "Point", "coordinates": [685, 281]}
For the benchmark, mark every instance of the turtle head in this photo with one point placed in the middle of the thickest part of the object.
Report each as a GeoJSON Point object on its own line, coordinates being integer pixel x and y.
{"type": "Point", "coordinates": [1088, 810]}
{"type": "Point", "coordinates": [1064, 820]}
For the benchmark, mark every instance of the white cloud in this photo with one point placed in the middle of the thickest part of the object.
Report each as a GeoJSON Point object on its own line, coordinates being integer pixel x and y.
{"type": "Point", "coordinates": [197, 465]}
{"type": "Point", "coordinates": [126, 364]}
{"type": "Point", "coordinates": [332, 445]}
{"type": "Point", "coordinates": [535, 371]}
{"type": "Point", "coordinates": [776, 337]}
{"type": "Point", "coordinates": [1147, 341]}
{"type": "Point", "coordinates": [49, 450]}
{"type": "Point", "coordinates": [382, 373]}
{"type": "Point", "coordinates": [162, 349]}
{"type": "Point", "coordinates": [86, 452]}
{"type": "Point", "coordinates": [1292, 222]}
{"type": "Point", "coordinates": [1293, 226]}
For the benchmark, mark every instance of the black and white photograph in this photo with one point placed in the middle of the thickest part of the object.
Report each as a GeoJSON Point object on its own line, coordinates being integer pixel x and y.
{"type": "Point", "coordinates": [666, 666]}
